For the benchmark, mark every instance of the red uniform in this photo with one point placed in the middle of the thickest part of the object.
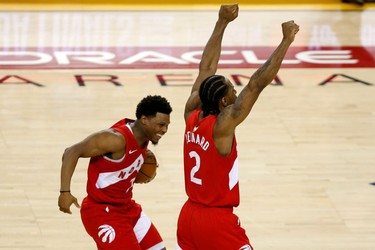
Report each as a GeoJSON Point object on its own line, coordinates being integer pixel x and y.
{"type": "Point", "coordinates": [206, 220]}
{"type": "Point", "coordinates": [109, 213]}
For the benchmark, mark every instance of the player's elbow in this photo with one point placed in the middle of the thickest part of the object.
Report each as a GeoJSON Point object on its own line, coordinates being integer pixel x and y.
{"type": "Point", "coordinates": [66, 153]}
{"type": "Point", "coordinates": [71, 152]}
{"type": "Point", "coordinates": [207, 69]}
{"type": "Point", "coordinates": [256, 88]}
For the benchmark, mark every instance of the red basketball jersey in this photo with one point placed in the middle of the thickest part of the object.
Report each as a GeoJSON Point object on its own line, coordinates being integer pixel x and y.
{"type": "Point", "coordinates": [111, 181]}
{"type": "Point", "coordinates": [210, 178]}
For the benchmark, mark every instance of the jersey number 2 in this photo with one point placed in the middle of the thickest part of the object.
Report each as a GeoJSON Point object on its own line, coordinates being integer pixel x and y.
{"type": "Point", "coordinates": [195, 169]}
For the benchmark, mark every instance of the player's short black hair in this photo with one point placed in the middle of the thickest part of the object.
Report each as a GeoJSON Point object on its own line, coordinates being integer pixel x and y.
{"type": "Point", "coordinates": [211, 90]}
{"type": "Point", "coordinates": [152, 104]}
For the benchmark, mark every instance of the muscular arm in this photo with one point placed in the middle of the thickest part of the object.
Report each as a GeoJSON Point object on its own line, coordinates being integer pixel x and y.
{"type": "Point", "coordinates": [234, 114]}
{"type": "Point", "coordinates": [100, 143]}
{"type": "Point", "coordinates": [211, 55]}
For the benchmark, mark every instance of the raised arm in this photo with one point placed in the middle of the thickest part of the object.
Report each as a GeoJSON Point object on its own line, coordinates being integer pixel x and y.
{"type": "Point", "coordinates": [234, 114]}
{"type": "Point", "coordinates": [211, 54]}
{"type": "Point", "coordinates": [100, 143]}
{"type": "Point", "coordinates": [265, 74]}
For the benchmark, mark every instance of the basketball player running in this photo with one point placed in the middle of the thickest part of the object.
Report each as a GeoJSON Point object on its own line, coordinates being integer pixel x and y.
{"type": "Point", "coordinates": [110, 215]}
{"type": "Point", "coordinates": [212, 113]}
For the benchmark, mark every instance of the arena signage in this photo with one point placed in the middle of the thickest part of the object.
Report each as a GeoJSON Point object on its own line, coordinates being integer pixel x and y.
{"type": "Point", "coordinates": [180, 57]}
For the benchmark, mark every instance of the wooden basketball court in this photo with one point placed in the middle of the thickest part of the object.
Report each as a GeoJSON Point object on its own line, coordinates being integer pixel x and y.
{"type": "Point", "coordinates": [306, 152]}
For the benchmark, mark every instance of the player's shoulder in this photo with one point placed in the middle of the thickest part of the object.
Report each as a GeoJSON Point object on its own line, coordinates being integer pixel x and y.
{"type": "Point", "coordinates": [193, 103]}
{"type": "Point", "coordinates": [226, 114]}
{"type": "Point", "coordinates": [113, 135]}
{"type": "Point", "coordinates": [224, 122]}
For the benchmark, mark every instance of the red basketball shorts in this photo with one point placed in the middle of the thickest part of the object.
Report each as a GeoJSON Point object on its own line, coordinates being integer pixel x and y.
{"type": "Point", "coordinates": [119, 228]}
{"type": "Point", "coordinates": [201, 227]}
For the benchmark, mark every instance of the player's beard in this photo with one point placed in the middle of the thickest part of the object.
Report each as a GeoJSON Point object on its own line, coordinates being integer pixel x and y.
{"type": "Point", "coordinates": [154, 143]}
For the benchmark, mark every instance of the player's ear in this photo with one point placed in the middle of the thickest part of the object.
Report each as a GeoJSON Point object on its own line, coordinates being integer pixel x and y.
{"type": "Point", "coordinates": [144, 120]}
{"type": "Point", "coordinates": [224, 101]}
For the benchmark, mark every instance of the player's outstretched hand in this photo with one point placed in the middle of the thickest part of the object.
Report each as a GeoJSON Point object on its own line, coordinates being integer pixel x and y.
{"type": "Point", "coordinates": [228, 12]}
{"type": "Point", "coordinates": [66, 199]}
{"type": "Point", "coordinates": [290, 29]}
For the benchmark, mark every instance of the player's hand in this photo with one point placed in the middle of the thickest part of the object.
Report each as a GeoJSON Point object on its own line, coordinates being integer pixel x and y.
{"type": "Point", "coordinates": [66, 199]}
{"type": "Point", "coordinates": [290, 29]}
{"type": "Point", "coordinates": [153, 177]}
{"type": "Point", "coordinates": [228, 12]}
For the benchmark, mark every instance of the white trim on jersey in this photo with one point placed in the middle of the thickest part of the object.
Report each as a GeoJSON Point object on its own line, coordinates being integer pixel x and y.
{"type": "Point", "coordinates": [130, 128]}
{"type": "Point", "coordinates": [109, 178]}
{"type": "Point", "coordinates": [158, 246]}
{"type": "Point", "coordinates": [233, 175]}
{"type": "Point", "coordinates": [246, 247]}
{"type": "Point", "coordinates": [112, 160]}
{"type": "Point", "coordinates": [142, 226]}
{"type": "Point", "coordinates": [141, 229]}
{"type": "Point", "coordinates": [178, 247]}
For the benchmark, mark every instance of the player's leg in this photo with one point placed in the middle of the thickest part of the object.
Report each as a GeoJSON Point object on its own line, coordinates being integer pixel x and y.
{"type": "Point", "coordinates": [215, 228]}
{"type": "Point", "coordinates": [110, 229]}
{"type": "Point", "coordinates": [227, 231]}
{"type": "Point", "coordinates": [184, 240]}
{"type": "Point", "coordinates": [147, 234]}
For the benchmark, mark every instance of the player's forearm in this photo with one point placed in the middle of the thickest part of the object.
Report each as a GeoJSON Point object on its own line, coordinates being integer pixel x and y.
{"type": "Point", "coordinates": [267, 72]}
{"type": "Point", "coordinates": [211, 53]}
{"type": "Point", "coordinates": [69, 162]}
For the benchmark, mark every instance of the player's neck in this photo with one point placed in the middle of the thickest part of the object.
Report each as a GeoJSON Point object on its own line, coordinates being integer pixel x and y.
{"type": "Point", "coordinates": [138, 133]}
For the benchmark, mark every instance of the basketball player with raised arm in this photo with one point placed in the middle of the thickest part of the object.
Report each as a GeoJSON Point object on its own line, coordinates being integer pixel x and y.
{"type": "Point", "coordinates": [212, 113]}
{"type": "Point", "coordinates": [110, 215]}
